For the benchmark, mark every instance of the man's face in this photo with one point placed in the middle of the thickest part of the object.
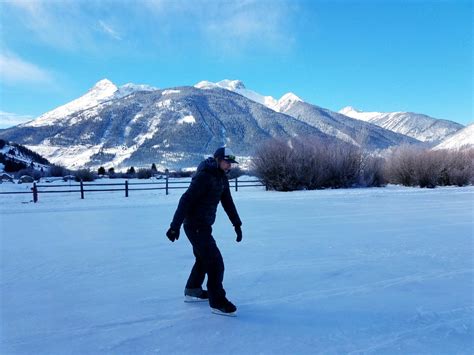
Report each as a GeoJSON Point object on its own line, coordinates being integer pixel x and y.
{"type": "Point", "coordinates": [225, 165]}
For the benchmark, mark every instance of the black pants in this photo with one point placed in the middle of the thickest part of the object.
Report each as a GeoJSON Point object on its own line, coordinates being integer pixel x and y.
{"type": "Point", "coordinates": [208, 261]}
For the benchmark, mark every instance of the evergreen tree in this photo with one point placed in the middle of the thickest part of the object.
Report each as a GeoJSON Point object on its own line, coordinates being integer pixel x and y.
{"type": "Point", "coordinates": [111, 171]}
{"type": "Point", "coordinates": [101, 171]}
{"type": "Point", "coordinates": [153, 168]}
{"type": "Point", "coordinates": [131, 170]}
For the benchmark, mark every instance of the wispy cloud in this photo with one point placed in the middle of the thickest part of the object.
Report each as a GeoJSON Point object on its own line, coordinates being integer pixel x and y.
{"type": "Point", "coordinates": [250, 24]}
{"type": "Point", "coordinates": [14, 69]}
{"type": "Point", "coordinates": [8, 119]}
{"type": "Point", "coordinates": [66, 24]}
{"type": "Point", "coordinates": [109, 30]}
{"type": "Point", "coordinates": [224, 26]}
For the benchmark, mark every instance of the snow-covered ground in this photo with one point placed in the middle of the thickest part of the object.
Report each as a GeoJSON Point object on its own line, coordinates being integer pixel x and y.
{"type": "Point", "coordinates": [380, 270]}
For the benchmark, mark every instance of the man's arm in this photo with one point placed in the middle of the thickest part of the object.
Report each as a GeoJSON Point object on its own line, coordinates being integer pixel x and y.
{"type": "Point", "coordinates": [229, 206]}
{"type": "Point", "coordinates": [195, 191]}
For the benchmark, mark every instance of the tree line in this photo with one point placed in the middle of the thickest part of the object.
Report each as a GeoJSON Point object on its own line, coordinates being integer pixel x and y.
{"type": "Point", "coordinates": [307, 164]}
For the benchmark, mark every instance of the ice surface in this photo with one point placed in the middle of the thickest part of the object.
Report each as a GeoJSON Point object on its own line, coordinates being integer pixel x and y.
{"type": "Point", "coordinates": [380, 270]}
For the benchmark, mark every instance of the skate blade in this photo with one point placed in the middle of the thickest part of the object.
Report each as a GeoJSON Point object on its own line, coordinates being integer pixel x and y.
{"type": "Point", "coordinates": [191, 299]}
{"type": "Point", "coordinates": [216, 311]}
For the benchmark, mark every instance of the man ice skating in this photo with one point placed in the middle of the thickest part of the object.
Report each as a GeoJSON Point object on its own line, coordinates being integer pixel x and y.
{"type": "Point", "coordinates": [197, 210]}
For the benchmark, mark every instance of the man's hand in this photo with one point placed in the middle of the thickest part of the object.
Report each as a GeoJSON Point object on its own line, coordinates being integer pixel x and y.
{"type": "Point", "coordinates": [238, 231]}
{"type": "Point", "coordinates": [172, 234]}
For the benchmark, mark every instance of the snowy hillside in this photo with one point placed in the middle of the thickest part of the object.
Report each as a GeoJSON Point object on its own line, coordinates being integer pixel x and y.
{"type": "Point", "coordinates": [239, 87]}
{"type": "Point", "coordinates": [329, 122]}
{"type": "Point", "coordinates": [102, 91]}
{"type": "Point", "coordinates": [136, 125]}
{"type": "Point", "coordinates": [415, 125]}
{"type": "Point", "coordinates": [343, 127]}
{"type": "Point", "coordinates": [360, 271]}
{"type": "Point", "coordinates": [21, 155]}
{"type": "Point", "coordinates": [173, 128]}
{"type": "Point", "coordinates": [464, 138]}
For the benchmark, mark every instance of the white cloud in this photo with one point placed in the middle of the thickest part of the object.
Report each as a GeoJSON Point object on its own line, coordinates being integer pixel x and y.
{"type": "Point", "coordinates": [65, 24]}
{"type": "Point", "coordinates": [224, 26]}
{"type": "Point", "coordinates": [250, 24]}
{"type": "Point", "coordinates": [8, 119]}
{"type": "Point", "coordinates": [109, 30]}
{"type": "Point", "coordinates": [16, 70]}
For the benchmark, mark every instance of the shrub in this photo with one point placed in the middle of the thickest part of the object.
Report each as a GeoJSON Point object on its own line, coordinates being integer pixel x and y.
{"type": "Point", "coordinates": [35, 174]}
{"type": "Point", "coordinates": [57, 171]}
{"type": "Point", "coordinates": [312, 164]}
{"type": "Point", "coordinates": [412, 166]}
{"type": "Point", "coordinates": [144, 173]}
{"type": "Point", "coordinates": [400, 166]}
{"type": "Point", "coordinates": [236, 172]}
{"type": "Point", "coordinates": [84, 175]}
{"type": "Point", "coordinates": [181, 173]}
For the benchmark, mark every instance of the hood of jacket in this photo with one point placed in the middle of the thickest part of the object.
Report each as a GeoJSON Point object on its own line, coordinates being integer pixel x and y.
{"type": "Point", "coordinates": [209, 165]}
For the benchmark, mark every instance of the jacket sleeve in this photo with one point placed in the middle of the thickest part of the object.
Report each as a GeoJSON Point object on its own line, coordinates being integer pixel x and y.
{"type": "Point", "coordinates": [229, 206]}
{"type": "Point", "coordinates": [195, 191]}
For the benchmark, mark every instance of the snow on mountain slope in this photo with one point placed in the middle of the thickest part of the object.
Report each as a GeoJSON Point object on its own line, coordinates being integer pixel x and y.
{"type": "Point", "coordinates": [351, 130]}
{"type": "Point", "coordinates": [175, 127]}
{"type": "Point", "coordinates": [415, 125]}
{"type": "Point", "coordinates": [354, 113]}
{"type": "Point", "coordinates": [20, 154]}
{"type": "Point", "coordinates": [464, 138]}
{"type": "Point", "coordinates": [286, 102]}
{"type": "Point", "coordinates": [102, 91]}
{"type": "Point", "coordinates": [238, 87]}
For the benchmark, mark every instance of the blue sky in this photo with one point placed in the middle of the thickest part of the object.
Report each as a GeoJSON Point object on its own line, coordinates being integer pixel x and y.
{"type": "Point", "coordinates": [373, 55]}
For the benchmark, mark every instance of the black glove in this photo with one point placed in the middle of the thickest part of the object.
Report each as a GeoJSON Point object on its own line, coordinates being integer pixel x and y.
{"type": "Point", "coordinates": [238, 231]}
{"type": "Point", "coordinates": [172, 234]}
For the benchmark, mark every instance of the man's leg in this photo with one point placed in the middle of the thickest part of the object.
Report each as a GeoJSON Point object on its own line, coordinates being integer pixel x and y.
{"type": "Point", "coordinates": [198, 272]}
{"type": "Point", "coordinates": [210, 258]}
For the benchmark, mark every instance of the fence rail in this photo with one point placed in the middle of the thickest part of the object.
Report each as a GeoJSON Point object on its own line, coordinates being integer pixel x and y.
{"type": "Point", "coordinates": [82, 187]}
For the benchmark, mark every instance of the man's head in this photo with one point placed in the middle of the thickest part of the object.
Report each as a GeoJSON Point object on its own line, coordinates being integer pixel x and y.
{"type": "Point", "coordinates": [225, 157]}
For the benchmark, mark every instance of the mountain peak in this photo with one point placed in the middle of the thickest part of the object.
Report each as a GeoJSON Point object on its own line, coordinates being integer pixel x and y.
{"type": "Point", "coordinates": [285, 102]}
{"type": "Point", "coordinates": [104, 85]}
{"type": "Point", "coordinates": [231, 84]}
{"type": "Point", "coordinates": [289, 97]}
{"type": "Point", "coordinates": [348, 109]}
{"type": "Point", "coordinates": [227, 84]}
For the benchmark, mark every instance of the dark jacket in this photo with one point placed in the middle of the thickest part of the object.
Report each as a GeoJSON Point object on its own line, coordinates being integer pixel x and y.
{"type": "Point", "coordinates": [198, 205]}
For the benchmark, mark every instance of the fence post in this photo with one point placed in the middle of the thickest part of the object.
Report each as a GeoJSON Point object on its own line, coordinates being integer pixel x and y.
{"type": "Point", "coordinates": [35, 193]}
{"type": "Point", "coordinates": [236, 184]}
{"type": "Point", "coordinates": [126, 188]}
{"type": "Point", "coordinates": [167, 183]}
{"type": "Point", "coordinates": [82, 190]}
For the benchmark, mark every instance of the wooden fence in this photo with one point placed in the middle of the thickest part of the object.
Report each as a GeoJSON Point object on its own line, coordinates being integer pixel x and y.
{"type": "Point", "coordinates": [167, 184]}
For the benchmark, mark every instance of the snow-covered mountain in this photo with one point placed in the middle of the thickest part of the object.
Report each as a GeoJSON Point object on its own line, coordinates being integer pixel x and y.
{"type": "Point", "coordinates": [331, 123]}
{"type": "Point", "coordinates": [21, 156]}
{"type": "Point", "coordinates": [238, 87]}
{"type": "Point", "coordinates": [463, 138]}
{"type": "Point", "coordinates": [102, 91]}
{"type": "Point", "coordinates": [415, 125]}
{"type": "Point", "coordinates": [353, 131]}
{"type": "Point", "coordinates": [174, 128]}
